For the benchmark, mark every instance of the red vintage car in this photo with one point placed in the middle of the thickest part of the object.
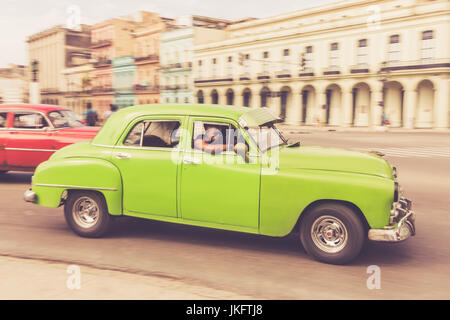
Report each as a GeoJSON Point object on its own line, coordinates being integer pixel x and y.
{"type": "Point", "coordinates": [30, 134]}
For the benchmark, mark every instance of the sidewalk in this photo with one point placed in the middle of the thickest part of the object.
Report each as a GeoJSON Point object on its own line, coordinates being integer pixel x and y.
{"type": "Point", "coordinates": [34, 279]}
{"type": "Point", "coordinates": [310, 129]}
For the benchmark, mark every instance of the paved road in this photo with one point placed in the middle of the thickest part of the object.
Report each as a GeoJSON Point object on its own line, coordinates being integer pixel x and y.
{"type": "Point", "coordinates": [255, 265]}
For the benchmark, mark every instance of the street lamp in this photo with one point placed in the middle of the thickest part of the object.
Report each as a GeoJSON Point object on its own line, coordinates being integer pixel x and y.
{"type": "Point", "coordinates": [383, 76]}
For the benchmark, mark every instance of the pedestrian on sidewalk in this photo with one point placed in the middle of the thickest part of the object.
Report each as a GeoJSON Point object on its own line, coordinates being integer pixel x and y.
{"type": "Point", "coordinates": [90, 116]}
{"type": "Point", "coordinates": [112, 109]}
{"type": "Point", "coordinates": [385, 119]}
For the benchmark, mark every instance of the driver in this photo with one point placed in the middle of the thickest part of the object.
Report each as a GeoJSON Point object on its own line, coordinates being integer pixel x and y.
{"type": "Point", "coordinates": [211, 141]}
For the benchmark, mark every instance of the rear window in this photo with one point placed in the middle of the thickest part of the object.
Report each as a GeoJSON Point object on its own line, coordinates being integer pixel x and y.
{"type": "Point", "coordinates": [29, 120]}
{"type": "Point", "coordinates": [3, 116]}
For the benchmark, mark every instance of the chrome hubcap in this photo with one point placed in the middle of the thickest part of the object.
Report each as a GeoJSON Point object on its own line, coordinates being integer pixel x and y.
{"type": "Point", "coordinates": [329, 234]}
{"type": "Point", "coordinates": [85, 212]}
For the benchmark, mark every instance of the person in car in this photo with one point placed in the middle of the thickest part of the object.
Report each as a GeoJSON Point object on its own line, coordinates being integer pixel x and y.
{"type": "Point", "coordinates": [212, 141]}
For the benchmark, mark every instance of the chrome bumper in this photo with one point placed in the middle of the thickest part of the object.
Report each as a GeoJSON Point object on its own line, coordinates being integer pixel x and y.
{"type": "Point", "coordinates": [30, 196]}
{"type": "Point", "coordinates": [402, 225]}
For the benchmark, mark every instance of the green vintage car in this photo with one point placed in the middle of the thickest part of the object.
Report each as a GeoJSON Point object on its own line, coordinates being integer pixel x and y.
{"type": "Point", "coordinates": [225, 168]}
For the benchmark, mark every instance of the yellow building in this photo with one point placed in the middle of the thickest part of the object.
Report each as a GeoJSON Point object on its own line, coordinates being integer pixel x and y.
{"type": "Point", "coordinates": [147, 39]}
{"type": "Point", "coordinates": [78, 87]}
{"type": "Point", "coordinates": [340, 64]}
{"type": "Point", "coordinates": [54, 50]}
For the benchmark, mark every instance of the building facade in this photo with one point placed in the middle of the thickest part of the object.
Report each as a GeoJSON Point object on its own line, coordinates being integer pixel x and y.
{"type": "Point", "coordinates": [54, 50]}
{"type": "Point", "coordinates": [177, 54]}
{"type": "Point", "coordinates": [147, 40]}
{"type": "Point", "coordinates": [124, 72]}
{"type": "Point", "coordinates": [78, 87]}
{"type": "Point", "coordinates": [14, 84]}
{"type": "Point", "coordinates": [341, 64]}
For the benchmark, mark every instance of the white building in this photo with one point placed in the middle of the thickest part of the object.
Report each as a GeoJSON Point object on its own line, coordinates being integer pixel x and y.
{"type": "Point", "coordinates": [357, 57]}
{"type": "Point", "coordinates": [176, 54]}
{"type": "Point", "coordinates": [14, 84]}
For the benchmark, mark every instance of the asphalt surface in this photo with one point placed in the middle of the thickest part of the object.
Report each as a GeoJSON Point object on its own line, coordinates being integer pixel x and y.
{"type": "Point", "coordinates": [259, 266]}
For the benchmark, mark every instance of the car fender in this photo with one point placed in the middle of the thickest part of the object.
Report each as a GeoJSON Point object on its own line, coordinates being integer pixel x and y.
{"type": "Point", "coordinates": [52, 178]}
{"type": "Point", "coordinates": [286, 195]}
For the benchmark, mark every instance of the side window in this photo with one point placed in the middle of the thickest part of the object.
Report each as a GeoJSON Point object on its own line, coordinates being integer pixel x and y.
{"type": "Point", "coordinates": [29, 120]}
{"type": "Point", "coordinates": [214, 137]}
{"type": "Point", "coordinates": [154, 134]}
{"type": "Point", "coordinates": [3, 116]}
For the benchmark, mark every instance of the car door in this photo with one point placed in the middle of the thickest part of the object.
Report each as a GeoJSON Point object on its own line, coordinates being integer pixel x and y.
{"type": "Point", "coordinates": [223, 187]}
{"type": "Point", "coordinates": [147, 156]}
{"type": "Point", "coordinates": [29, 141]}
{"type": "Point", "coordinates": [3, 135]}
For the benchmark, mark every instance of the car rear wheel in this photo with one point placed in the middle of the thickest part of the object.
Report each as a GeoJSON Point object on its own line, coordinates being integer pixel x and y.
{"type": "Point", "coordinates": [87, 214]}
{"type": "Point", "coordinates": [332, 233]}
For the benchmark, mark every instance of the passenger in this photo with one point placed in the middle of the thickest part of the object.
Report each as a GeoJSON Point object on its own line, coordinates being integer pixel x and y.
{"type": "Point", "coordinates": [211, 141]}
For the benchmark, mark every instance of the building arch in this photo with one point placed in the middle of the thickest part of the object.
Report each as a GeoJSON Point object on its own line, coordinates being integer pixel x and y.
{"type": "Point", "coordinates": [214, 96]}
{"type": "Point", "coordinates": [200, 97]}
{"type": "Point", "coordinates": [361, 102]}
{"type": "Point", "coordinates": [246, 97]}
{"type": "Point", "coordinates": [425, 106]}
{"type": "Point", "coordinates": [230, 97]}
{"type": "Point", "coordinates": [333, 106]}
{"type": "Point", "coordinates": [308, 94]}
{"type": "Point", "coordinates": [393, 100]}
{"type": "Point", "coordinates": [285, 101]}
{"type": "Point", "coordinates": [265, 95]}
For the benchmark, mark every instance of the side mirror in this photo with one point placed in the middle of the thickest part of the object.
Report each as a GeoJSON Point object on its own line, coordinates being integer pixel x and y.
{"type": "Point", "coordinates": [242, 150]}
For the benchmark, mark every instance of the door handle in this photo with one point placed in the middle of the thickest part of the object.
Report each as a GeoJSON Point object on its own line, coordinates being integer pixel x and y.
{"type": "Point", "coordinates": [122, 155]}
{"type": "Point", "coordinates": [191, 161]}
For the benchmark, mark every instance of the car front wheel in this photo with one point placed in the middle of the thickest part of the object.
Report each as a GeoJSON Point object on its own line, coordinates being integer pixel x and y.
{"type": "Point", "coordinates": [332, 233]}
{"type": "Point", "coordinates": [87, 214]}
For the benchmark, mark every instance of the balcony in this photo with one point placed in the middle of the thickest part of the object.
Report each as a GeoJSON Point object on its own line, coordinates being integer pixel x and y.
{"type": "Point", "coordinates": [360, 68]}
{"type": "Point", "coordinates": [263, 75]}
{"type": "Point", "coordinates": [101, 89]}
{"type": "Point", "coordinates": [175, 87]}
{"type": "Point", "coordinates": [101, 43]}
{"type": "Point", "coordinates": [145, 89]}
{"type": "Point", "coordinates": [245, 77]}
{"type": "Point", "coordinates": [283, 74]}
{"type": "Point", "coordinates": [307, 72]}
{"type": "Point", "coordinates": [147, 59]}
{"type": "Point", "coordinates": [331, 71]}
{"type": "Point", "coordinates": [415, 65]}
{"type": "Point", "coordinates": [102, 62]}
{"type": "Point", "coordinates": [213, 79]}
{"type": "Point", "coordinates": [176, 66]}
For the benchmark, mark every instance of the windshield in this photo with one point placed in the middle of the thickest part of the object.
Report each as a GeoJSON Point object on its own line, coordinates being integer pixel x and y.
{"type": "Point", "coordinates": [64, 119]}
{"type": "Point", "coordinates": [267, 137]}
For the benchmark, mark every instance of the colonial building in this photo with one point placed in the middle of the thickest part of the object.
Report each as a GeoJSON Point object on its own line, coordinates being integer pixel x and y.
{"type": "Point", "coordinates": [54, 50]}
{"type": "Point", "coordinates": [14, 84]}
{"type": "Point", "coordinates": [147, 40]}
{"type": "Point", "coordinates": [340, 64]}
{"type": "Point", "coordinates": [177, 54]}
{"type": "Point", "coordinates": [78, 86]}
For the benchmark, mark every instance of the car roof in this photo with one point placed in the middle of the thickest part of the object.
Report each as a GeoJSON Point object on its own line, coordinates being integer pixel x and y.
{"type": "Point", "coordinates": [37, 107]}
{"type": "Point", "coordinates": [115, 125]}
{"type": "Point", "coordinates": [211, 110]}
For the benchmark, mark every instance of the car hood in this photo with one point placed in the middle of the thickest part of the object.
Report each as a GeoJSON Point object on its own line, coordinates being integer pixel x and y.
{"type": "Point", "coordinates": [331, 159]}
